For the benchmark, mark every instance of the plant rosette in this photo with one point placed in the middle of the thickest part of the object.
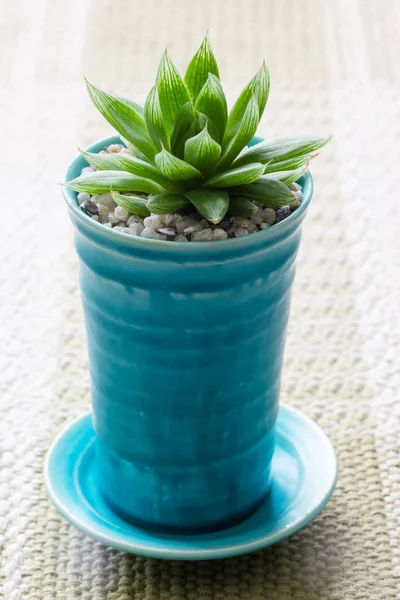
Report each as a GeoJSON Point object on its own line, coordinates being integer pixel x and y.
{"type": "Point", "coordinates": [184, 172]}
{"type": "Point", "coordinates": [186, 340]}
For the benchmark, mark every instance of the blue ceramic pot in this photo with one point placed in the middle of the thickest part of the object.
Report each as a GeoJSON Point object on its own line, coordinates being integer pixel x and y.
{"type": "Point", "coordinates": [185, 353]}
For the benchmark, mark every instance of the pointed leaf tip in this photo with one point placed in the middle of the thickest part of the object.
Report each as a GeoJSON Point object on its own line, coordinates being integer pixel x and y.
{"type": "Point", "coordinates": [202, 63]}
{"type": "Point", "coordinates": [244, 133]}
{"type": "Point", "coordinates": [132, 203]}
{"type": "Point", "coordinates": [202, 152]}
{"type": "Point", "coordinates": [211, 102]}
{"type": "Point", "coordinates": [172, 91]}
{"type": "Point", "coordinates": [125, 116]}
{"type": "Point", "coordinates": [258, 87]}
{"type": "Point", "coordinates": [176, 169]}
{"type": "Point", "coordinates": [211, 204]}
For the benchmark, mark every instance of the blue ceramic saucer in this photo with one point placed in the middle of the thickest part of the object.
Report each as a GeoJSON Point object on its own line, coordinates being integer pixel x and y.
{"type": "Point", "coordinates": [303, 478]}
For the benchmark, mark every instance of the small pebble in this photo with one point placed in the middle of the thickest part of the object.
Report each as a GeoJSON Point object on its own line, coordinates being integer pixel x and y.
{"type": "Point", "coordinates": [205, 235]}
{"type": "Point", "coordinates": [181, 238]}
{"type": "Point", "coordinates": [170, 220]}
{"type": "Point", "coordinates": [112, 218]}
{"type": "Point", "coordinates": [298, 195]}
{"type": "Point", "coordinates": [83, 197]}
{"type": "Point", "coordinates": [95, 217]}
{"type": "Point", "coordinates": [107, 224]}
{"type": "Point", "coordinates": [184, 222]}
{"type": "Point", "coordinates": [264, 226]}
{"type": "Point", "coordinates": [241, 231]}
{"type": "Point", "coordinates": [149, 233]}
{"type": "Point", "coordinates": [105, 199]}
{"type": "Point", "coordinates": [134, 219]}
{"type": "Point", "coordinates": [103, 209]}
{"type": "Point", "coordinates": [223, 225]}
{"type": "Point", "coordinates": [87, 170]}
{"type": "Point", "coordinates": [136, 229]}
{"type": "Point", "coordinates": [168, 231]}
{"type": "Point", "coordinates": [269, 215]}
{"type": "Point", "coordinates": [243, 222]}
{"type": "Point", "coordinates": [124, 150]}
{"type": "Point", "coordinates": [296, 187]}
{"type": "Point", "coordinates": [115, 148]}
{"type": "Point", "coordinates": [258, 217]}
{"type": "Point", "coordinates": [282, 213]}
{"type": "Point", "coordinates": [90, 208]}
{"type": "Point", "coordinates": [121, 229]}
{"type": "Point", "coordinates": [297, 201]}
{"type": "Point", "coordinates": [121, 213]}
{"type": "Point", "coordinates": [295, 205]}
{"type": "Point", "coordinates": [219, 234]}
{"type": "Point", "coordinates": [154, 221]}
{"type": "Point", "coordinates": [192, 229]}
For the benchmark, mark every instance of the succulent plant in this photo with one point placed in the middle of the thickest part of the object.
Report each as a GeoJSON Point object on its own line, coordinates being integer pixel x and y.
{"type": "Point", "coordinates": [186, 149]}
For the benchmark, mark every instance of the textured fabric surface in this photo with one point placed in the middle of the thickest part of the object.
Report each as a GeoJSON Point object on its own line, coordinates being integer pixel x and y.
{"type": "Point", "coordinates": [334, 69]}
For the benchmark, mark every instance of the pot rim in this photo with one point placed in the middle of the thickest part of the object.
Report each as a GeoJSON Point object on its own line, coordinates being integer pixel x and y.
{"type": "Point", "coordinates": [269, 235]}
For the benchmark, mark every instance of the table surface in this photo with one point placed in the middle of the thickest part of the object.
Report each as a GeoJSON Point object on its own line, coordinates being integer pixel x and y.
{"type": "Point", "coordinates": [335, 69]}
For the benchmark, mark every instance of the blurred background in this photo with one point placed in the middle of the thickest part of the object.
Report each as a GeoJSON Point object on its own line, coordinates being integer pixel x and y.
{"type": "Point", "coordinates": [334, 70]}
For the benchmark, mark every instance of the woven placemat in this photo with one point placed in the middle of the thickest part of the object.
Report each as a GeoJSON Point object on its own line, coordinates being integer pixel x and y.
{"type": "Point", "coordinates": [334, 69]}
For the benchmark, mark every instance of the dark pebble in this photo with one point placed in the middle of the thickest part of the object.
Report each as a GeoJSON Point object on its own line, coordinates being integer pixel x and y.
{"type": "Point", "coordinates": [224, 225]}
{"type": "Point", "coordinates": [90, 208]}
{"type": "Point", "coordinates": [282, 213]}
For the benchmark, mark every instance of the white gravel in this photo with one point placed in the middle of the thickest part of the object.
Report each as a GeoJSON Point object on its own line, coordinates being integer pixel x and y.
{"type": "Point", "coordinates": [202, 236]}
{"type": "Point", "coordinates": [179, 227]}
{"type": "Point", "coordinates": [121, 213]}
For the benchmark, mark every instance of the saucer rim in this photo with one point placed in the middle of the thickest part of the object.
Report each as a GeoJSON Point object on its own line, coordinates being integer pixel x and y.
{"type": "Point", "coordinates": [221, 551]}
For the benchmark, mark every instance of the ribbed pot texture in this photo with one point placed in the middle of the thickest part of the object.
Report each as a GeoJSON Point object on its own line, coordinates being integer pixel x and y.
{"type": "Point", "coordinates": [185, 354]}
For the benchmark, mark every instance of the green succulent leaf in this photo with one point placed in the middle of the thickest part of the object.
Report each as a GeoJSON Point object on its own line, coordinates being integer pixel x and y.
{"type": "Point", "coordinates": [202, 121]}
{"type": "Point", "coordinates": [287, 177]}
{"type": "Point", "coordinates": [172, 91]}
{"type": "Point", "coordinates": [289, 164]}
{"type": "Point", "coordinates": [246, 130]}
{"type": "Point", "coordinates": [211, 102]}
{"type": "Point", "coordinates": [269, 191]}
{"type": "Point", "coordinates": [139, 109]}
{"type": "Point", "coordinates": [202, 63]}
{"type": "Point", "coordinates": [239, 206]}
{"type": "Point", "coordinates": [133, 204]}
{"type": "Point", "coordinates": [281, 148]}
{"type": "Point", "coordinates": [142, 169]}
{"type": "Point", "coordinates": [234, 177]}
{"type": "Point", "coordinates": [202, 152]}
{"type": "Point", "coordinates": [163, 204]}
{"type": "Point", "coordinates": [124, 118]}
{"type": "Point", "coordinates": [176, 169]}
{"type": "Point", "coordinates": [182, 128]}
{"type": "Point", "coordinates": [102, 181]}
{"type": "Point", "coordinates": [258, 87]}
{"type": "Point", "coordinates": [155, 120]}
{"type": "Point", "coordinates": [134, 151]}
{"type": "Point", "coordinates": [103, 162]}
{"type": "Point", "coordinates": [211, 204]}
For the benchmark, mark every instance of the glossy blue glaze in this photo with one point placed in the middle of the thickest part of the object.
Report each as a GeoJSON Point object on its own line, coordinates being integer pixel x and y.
{"type": "Point", "coordinates": [304, 473]}
{"type": "Point", "coordinates": [185, 352]}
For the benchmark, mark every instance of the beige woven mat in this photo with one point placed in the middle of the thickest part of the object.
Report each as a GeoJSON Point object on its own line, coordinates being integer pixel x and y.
{"type": "Point", "coordinates": [335, 69]}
